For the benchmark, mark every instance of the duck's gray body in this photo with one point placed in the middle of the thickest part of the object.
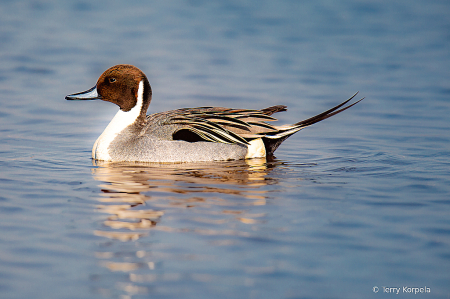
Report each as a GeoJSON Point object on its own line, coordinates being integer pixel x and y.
{"type": "Point", "coordinates": [147, 148]}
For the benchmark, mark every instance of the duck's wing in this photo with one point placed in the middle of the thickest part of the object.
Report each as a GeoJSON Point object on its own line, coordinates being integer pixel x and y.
{"type": "Point", "coordinates": [215, 124]}
{"type": "Point", "coordinates": [234, 126]}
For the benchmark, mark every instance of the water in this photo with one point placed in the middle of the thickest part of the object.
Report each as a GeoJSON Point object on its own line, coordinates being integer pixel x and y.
{"type": "Point", "coordinates": [355, 202]}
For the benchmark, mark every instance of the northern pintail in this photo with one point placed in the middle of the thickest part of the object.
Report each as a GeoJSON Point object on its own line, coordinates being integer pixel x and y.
{"type": "Point", "coordinates": [187, 134]}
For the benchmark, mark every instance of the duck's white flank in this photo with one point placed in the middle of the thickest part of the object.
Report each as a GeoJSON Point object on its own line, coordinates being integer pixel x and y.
{"type": "Point", "coordinates": [120, 121]}
{"type": "Point", "coordinates": [256, 149]}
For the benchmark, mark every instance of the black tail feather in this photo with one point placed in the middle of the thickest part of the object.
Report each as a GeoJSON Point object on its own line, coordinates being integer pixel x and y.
{"type": "Point", "coordinates": [272, 144]}
{"type": "Point", "coordinates": [327, 114]}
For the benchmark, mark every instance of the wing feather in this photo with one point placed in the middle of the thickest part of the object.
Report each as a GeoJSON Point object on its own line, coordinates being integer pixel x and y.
{"type": "Point", "coordinates": [236, 126]}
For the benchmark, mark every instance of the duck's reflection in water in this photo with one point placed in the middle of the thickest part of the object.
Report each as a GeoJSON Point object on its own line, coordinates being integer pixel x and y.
{"type": "Point", "coordinates": [209, 199]}
{"type": "Point", "coordinates": [131, 188]}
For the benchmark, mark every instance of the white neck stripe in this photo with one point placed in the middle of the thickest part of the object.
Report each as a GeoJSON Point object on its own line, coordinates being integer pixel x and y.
{"type": "Point", "coordinates": [120, 121]}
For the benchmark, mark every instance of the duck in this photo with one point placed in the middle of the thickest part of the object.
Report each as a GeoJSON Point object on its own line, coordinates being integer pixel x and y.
{"type": "Point", "coordinates": [202, 134]}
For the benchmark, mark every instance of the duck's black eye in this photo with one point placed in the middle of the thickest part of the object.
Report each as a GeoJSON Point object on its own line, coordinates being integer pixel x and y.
{"type": "Point", "coordinates": [112, 80]}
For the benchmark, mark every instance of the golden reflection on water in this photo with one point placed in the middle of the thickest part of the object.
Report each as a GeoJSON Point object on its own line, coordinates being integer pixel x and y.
{"type": "Point", "coordinates": [137, 198]}
{"type": "Point", "coordinates": [127, 190]}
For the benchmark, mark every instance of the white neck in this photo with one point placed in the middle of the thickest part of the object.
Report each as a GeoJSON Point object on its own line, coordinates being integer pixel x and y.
{"type": "Point", "coordinates": [120, 121]}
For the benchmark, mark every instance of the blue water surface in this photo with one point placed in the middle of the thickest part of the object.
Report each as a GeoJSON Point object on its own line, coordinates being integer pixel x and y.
{"type": "Point", "coordinates": [353, 207]}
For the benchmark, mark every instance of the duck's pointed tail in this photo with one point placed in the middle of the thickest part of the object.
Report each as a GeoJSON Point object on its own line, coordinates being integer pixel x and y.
{"type": "Point", "coordinates": [273, 141]}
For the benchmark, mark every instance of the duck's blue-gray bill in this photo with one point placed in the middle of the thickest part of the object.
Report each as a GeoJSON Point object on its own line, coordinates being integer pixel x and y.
{"type": "Point", "coordinates": [90, 94]}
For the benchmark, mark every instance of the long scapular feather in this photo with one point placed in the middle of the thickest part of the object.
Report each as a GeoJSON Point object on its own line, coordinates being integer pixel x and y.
{"type": "Point", "coordinates": [211, 131]}
{"type": "Point", "coordinates": [225, 135]}
{"type": "Point", "coordinates": [232, 120]}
